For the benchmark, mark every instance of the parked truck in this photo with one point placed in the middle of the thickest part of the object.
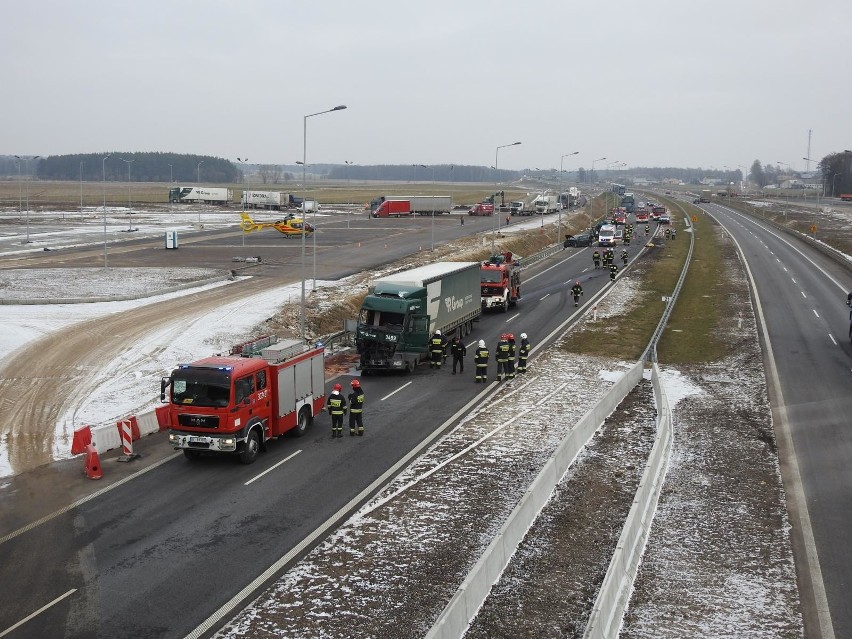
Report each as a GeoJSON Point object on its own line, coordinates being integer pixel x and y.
{"type": "Point", "coordinates": [393, 208]}
{"type": "Point", "coordinates": [234, 404]}
{"type": "Point", "coordinates": [481, 208]}
{"type": "Point", "coordinates": [402, 311]}
{"type": "Point", "coordinates": [517, 208]}
{"type": "Point", "coordinates": [706, 195]}
{"type": "Point", "coordinates": [274, 200]}
{"type": "Point", "coordinates": [546, 204]}
{"type": "Point", "coordinates": [500, 285]}
{"type": "Point", "coordinates": [420, 204]}
{"type": "Point", "coordinates": [200, 195]}
{"type": "Point", "coordinates": [846, 197]}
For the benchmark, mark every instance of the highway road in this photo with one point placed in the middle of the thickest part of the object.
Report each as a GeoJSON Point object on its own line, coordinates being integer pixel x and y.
{"type": "Point", "coordinates": [802, 305]}
{"type": "Point", "coordinates": [165, 550]}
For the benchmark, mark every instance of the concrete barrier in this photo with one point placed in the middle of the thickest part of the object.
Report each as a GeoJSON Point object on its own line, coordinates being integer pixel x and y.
{"type": "Point", "coordinates": [462, 608]}
{"type": "Point", "coordinates": [614, 595]}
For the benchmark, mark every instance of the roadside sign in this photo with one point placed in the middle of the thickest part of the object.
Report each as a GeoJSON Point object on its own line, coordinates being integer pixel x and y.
{"type": "Point", "coordinates": [813, 228]}
{"type": "Point", "coordinates": [694, 218]}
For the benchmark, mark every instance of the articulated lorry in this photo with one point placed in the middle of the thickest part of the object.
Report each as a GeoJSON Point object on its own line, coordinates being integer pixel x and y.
{"type": "Point", "coordinates": [546, 204]}
{"type": "Point", "coordinates": [234, 404]}
{"type": "Point", "coordinates": [419, 204]}
{"type": "Point", "coordinates": [705, 196]}
{"type": "Point", "coordinates": [274, 200]}
{"type": "Point", "coordinates": [501, 281]}
{"type": "Point", "coordinates": [200, 195]}
{"type": "Point", "coordinates": [402, 311]}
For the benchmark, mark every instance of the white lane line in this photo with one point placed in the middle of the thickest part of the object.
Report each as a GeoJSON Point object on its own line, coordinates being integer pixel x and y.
{"type": "Point", "coordinates": [37, 612]}
{"type": "Point", "coordinates": [80, 502]}
{"type": "Point", "coordinates": [803, 294]}
{"type": "Point", "coordinates": [511, 318]}
{"type": "Point", "coordinates": [541, 298]}
{"type": "Point", "coordinates": [271, 468]}
{"type": "Point", "coordinates": [395, 392]}
{"type": "Point", "coordinates": [793, 280]}
{"type": "Point", "coordinates": [815, 313]}
{"type": "Point", "coordinates": [785, 269]}
{"type": "Point", "coordinates": [831, 337]}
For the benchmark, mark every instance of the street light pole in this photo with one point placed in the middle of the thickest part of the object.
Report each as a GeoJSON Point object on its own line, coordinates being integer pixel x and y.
{"type": "Point", "coordinates": [561, 190]}
{"type": "Point", "coordinates": [433, 210]}
{"type": "Point", "coordinates": [592, 172]}
{"type": "Point", "coordinates": [129, 204]}
{"type": "Point", "coordinates": [103, 167]}
{"type": "Point", "coordinates": [199, 190]}
{"type": "Point", "coordinates": [246, 191]}
{"type": "Point", "coordinates": [27, 164]}
{"type": "Point", "coordinates": [497, 185]}
{"type": "Point", "coordinates": [81, 189]}
{"type": "Point", "coordinates": [305, 211]}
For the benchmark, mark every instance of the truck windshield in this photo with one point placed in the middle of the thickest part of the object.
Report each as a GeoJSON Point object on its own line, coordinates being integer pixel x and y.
{"type": "Point", "coordinates": [491, 277]}
{"type": "Point", "coordinates": [201, 387]}
{"type": "Point", "coordinates": [385, 319]}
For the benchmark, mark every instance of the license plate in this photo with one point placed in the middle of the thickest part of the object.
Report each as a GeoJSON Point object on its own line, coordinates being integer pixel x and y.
{"type": "Point", "coordinates": [197, 440]}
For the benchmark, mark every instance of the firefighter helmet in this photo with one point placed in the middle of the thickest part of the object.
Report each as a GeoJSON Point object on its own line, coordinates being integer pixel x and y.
{"type": "Point", "coordinates": [338, 387]}
{"type": "Point", "coordinates": [437, 331]}
{"type": "Point", "coordinates": [482, 343]}
{"type": "Point", "coordinates": [355, 383]}
{"type": "Point", "coordinates": [523, 335]}
{"type": "Point", "coordinates": [510, 337]}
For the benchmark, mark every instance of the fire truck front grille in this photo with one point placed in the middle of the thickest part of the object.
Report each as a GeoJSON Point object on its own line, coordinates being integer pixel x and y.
{"type": "Point", "coordinates": [199, 421]}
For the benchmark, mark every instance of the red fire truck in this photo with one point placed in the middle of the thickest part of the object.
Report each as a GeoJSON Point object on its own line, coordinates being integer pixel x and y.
{"type": "Point", "coordinates": [236, 403]}
{"type": "Point", "coordinates": [500, 282]}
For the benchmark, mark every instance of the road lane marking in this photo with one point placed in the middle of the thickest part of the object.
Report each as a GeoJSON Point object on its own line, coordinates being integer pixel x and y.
{"type": "Point", "coordinates": [395, 392]}
{"type": "Point", "coordinates": [82, 501]}
{"type": "Point", "coordinates": [793, 280]}
{"type": "Point", "coordinates": [803, 294]}
{"type": "Point", "coordinates": [37, 612]}
{"type": "Point", "coordinates": [814, 310]}
{"type": "Point", "coordinates": [511, 318]}
{"type": "Point", "coordinates": [832, 339]}
{"type": "Point", "coordinates": [542, 298]}
{"type": "Point", "coordinates": [271, 468]}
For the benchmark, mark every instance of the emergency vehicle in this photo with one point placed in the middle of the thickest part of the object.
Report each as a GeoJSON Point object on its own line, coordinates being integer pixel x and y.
{"type": "Point", "coordinates": [501, 282]}
{"type": "Point", "coordinates": [236, 403]}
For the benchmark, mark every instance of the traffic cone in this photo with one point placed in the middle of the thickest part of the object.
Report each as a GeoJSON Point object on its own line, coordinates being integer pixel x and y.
{"type": "Point", "coordinates": [82, 438]}
{"type": "Point", "coordinates": [93, 463]}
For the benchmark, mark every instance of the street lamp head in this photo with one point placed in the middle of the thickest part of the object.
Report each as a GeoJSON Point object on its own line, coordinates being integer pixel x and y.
{"type": "Point", "coordinates": [339, 107]}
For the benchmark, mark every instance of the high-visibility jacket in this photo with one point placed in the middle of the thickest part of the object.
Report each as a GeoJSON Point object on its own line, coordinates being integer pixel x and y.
{"type": "Point", "coordinates": [481, 357]}
{"type": "Point", "coordinates": [336, 404]}
{"type": "Point", "coordinates": [577, 290]}
{"type": "Point", "coordinates": [524, 349]}
{"type": "Point", "coordinates": [356, 400]}
{"type": "Point", "coordinates": [437, 344]}
{"type": "Point", "coordinates": [501, 354]}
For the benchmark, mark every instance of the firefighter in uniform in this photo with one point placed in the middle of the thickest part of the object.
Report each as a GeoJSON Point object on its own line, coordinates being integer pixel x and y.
{"type": "Point", "coordinates": [337, 409]}
{"type": "Point", "coordinates": [624, 256]}
{"type": "Point", "coordinates": [510, 371]}
{"type": "Point", "coordinates": [523, 353]}
{"type": "Point", "coordinates": [577, 291]}
{"type": "Point", "coordinates": [356, 409]}
{"type": "Point", "coordinates": [437, 346]}
{"type": "Point", "coordinates": [613, 269]}
{"type": "Point", "coordinates": [458, 351]}
{"type": "Point", "coordinates": [596, 258]}
{"type": "Point", "coordinates": [501, 354]}
{"type": "Point", "coordinates": [481, 359]}
{"type": "Point", "coordinates": [647, 229]}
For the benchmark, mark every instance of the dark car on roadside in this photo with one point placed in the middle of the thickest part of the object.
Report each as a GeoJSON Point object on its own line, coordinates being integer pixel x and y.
{"type": "Point", "coordinates": [583, 239]}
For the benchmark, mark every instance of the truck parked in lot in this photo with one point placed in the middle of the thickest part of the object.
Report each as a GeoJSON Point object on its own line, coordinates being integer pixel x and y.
{"type": "Point", "coordinates": [501, 282]}
{"type": "Point", "coordinates": [846, 197]}
{"type": "Point", "coordinates": [234, 404]}
{"type": "Point", "coordinates": [517, 208]}
{"type": "Point", "coordinates": [402, 311]}
{"type": "Point", "coordinates": [570, 198]}
{"type": "Point", "coordinates": [393, 208]}
{"type": "Point", "coordinates": [419, 204]}
{"type": "Point", "coordinates": [546, 204]}
{"type": "Point", "coordinates": [274, 200]}
{"type": "Point", "coordinates": [200, 195]}
{"type": "Point", "coordinates": [706, 195]}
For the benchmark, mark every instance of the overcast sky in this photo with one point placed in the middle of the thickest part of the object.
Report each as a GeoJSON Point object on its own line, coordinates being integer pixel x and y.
{"type": "Point", "coordinates": [653, 83]}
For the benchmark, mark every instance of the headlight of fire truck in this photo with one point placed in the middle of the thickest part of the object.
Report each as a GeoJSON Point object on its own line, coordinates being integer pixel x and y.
{"type": "Point", "coordinates": [173, 439]}
{"type": "Point", "coordinates": [228, 442]}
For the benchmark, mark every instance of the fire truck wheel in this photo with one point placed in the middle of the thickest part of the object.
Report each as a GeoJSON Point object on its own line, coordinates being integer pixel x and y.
{"type": "Point", "coordinates": [251, 448]}
{"type": "Point", "coordinates": [191, 454]}
{"type": "Point", "coordinates": [303, 422]}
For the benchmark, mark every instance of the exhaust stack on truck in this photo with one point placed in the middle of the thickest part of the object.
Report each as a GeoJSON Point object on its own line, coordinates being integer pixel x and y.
{"type": "Point", "coordinates": [403, 310]}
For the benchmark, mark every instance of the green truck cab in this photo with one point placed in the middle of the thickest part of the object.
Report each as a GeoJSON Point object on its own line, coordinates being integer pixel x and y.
{"type": "Point", "coordinates": [400, 314]}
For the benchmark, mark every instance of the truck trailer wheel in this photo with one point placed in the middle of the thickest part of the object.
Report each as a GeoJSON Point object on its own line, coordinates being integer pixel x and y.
{"type": "Point", "coordinates": [303, 422]}
{"type": "Point", "coordinates": [250, 448]}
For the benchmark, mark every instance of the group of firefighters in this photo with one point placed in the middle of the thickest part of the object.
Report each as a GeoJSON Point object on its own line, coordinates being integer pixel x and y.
{"type": "Point", "coordinates": [608, 259]}
{"type": "Point", "coordinates": [505, 355]}
{"type": "Point", "coordinates": [337, 407]}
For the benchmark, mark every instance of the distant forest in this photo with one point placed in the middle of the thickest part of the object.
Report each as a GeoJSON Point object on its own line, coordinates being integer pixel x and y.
{"type": "Point", "coordinates": [190, 169]}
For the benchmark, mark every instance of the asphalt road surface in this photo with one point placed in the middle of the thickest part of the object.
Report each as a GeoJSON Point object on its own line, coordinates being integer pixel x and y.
{"type": "Point", "coordinates": [167, 549]}
{"type": "Point", "coordinates": [802, 299]}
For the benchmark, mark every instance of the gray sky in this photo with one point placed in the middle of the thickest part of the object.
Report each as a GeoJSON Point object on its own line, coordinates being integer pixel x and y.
{"type": "Point", "coordinates": [652, 83]}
